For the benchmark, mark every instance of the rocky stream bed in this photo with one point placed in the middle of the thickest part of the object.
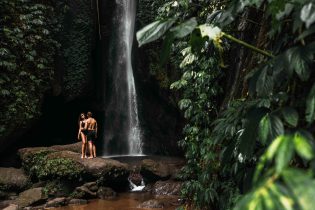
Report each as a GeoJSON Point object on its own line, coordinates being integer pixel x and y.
{"type": "Point", "coordinates": [56, 176]}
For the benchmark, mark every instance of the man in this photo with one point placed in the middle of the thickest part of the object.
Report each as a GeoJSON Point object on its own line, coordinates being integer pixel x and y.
{"type": "Point", "coordinates": [91, 127]}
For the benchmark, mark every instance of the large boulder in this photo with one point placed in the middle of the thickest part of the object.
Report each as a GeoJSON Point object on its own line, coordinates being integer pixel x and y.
{"type": "Point", "coordinates": [12, 179]}
{"type": "Point", "coordinates": [46, 163]}
{"type": "Point", "coordinates": [31, 196]}
{"type": "Point", "coordinates": [153, 170]}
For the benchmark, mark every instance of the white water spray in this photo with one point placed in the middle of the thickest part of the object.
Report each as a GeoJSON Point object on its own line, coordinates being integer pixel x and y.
{"type": "Point", "coordinates": [122, 134]}
{"type": "Point", "coordinates": [134, 135]}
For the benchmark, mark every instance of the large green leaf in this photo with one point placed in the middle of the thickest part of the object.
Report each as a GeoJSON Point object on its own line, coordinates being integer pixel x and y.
{"type": "Point", "coordinates": [310, 106]}
{"type": "Point", "coordinates": [303, 146]}
{"type": "Point", "coordinates": [284, 153]}
{"type": "Point", "coordinates": [299, 59]}
{"type": "Point", "coordinates": [268, 196]}
{"type": "Point", "coordinates": [154, 31]}
{"type": "Point", "coordinates": [308, 14]}
{"type": "Point", "coordinates": [290, 115]}
{"type": "Point", "coordinates": [184, 28]}
{"type": "Point", "coordinates": [270, 127]}
{"type": "Point", "coordinates": [302, 187]}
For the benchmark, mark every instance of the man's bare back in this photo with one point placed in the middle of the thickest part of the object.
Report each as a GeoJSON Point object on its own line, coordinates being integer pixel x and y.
{"type": "Point", "coordinates": [91, 124]}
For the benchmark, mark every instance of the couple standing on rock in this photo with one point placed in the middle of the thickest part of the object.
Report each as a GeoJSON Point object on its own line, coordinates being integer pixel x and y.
{"type": "Point", "coordinates": [87, 133]}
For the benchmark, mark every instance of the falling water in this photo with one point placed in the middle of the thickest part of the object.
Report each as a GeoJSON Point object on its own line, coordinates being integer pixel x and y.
{"type": "Point", "coordinates": [122, 110]}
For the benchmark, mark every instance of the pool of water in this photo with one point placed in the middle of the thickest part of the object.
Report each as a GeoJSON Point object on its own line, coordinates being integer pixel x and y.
{"type": "Point", "coordinates": [126, 201]}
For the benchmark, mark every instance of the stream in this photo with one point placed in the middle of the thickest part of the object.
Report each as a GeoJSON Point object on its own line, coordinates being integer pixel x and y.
{"type": "Point", "coordinates": [126, 201]}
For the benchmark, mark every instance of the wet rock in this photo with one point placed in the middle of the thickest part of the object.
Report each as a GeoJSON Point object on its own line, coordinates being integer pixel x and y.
{"type": "Point", "coordinates": [40, 207]}
{"type": "Point", "coordinates": [166, 188]}
{"type": "Point", "coordinates": [57, 202]}
{"type": "Point", "coordinates": [3, 195]}
{"type": "Point", "coordinates": [151, 204]}
{"type": "Point", "coordinates": [148, 187]}
{"type": "Point", "coordinates": [83, 192]}
{"type": "Point", "coordinates": [135, 178]}
{"type": "Point", "coordinates": [88, 190]}
{"type": "Point", "coordinates": [106, 193]}
{"type": "Point", "coordinates": [153, 171]}
{"type": "Point", "coordinates": [77, 202]}
{"type": "Point", "coordinates": [30, 197]}
{"type": "Point", "coordinates": [12, 179]}
{"type": "Point", "coordinates": [92, 186]}
{"type": "Point", "coordinates": [11, 207]}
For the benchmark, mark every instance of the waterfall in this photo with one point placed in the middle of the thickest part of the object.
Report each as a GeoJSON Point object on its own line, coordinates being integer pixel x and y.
{"type": "Point", "coordinates": [122, 128]}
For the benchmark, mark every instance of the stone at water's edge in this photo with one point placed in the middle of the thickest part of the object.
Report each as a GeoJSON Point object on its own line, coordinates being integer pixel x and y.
{"type": "Point", "coordinates": [30, 197]}
{"type": "Point", "coordinates": [152, 204]}
{"type": "Point", "coordinates": [154, 171]}
{"type": "Point", "coordinates": [106, 193]}
{"type": "Point", "coordinates": [12, 179]}
{"type": "Point", "coordinates": [167, 188]}
{"type": "Point", "coordinates": [77, 201]}
{"type": "Point", "coordinates": [57, 202]}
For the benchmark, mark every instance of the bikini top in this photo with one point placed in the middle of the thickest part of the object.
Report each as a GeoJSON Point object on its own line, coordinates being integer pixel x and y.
{"type": "Point", "coordinates": [82, 124]}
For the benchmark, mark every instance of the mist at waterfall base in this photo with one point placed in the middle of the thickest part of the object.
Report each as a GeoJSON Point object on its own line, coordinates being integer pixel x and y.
{"type": "Point", "coordinates": [122, 133]}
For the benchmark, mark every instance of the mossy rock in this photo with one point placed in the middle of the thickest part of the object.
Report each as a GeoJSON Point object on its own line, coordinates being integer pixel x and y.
{"type": "Point", "coordinates": [13, 179]}
{"type": "Point", "coordinates": [45, 164]}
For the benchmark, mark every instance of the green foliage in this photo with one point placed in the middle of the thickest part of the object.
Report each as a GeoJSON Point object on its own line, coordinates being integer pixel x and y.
{"type": "Point", "coordinates": [264, 130]}
{"type": "Point", "coordinates": [27, 52]}
{"type": "Point", "coordinates": [76, 39]}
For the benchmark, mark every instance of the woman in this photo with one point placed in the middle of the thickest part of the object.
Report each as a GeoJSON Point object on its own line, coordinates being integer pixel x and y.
{"type": "Point", "coordinates": [82, 133]}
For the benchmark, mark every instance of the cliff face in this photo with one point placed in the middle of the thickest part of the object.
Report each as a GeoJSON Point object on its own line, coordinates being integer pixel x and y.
{"type": "Point", "coordinates": [75, 79]}
{"type": "Point", "coordinates": [48, 55]}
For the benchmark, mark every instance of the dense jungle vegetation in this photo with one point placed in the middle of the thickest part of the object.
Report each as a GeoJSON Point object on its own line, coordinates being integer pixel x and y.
{"type": "Point", "coordinates": [248, 95]}
{"type": "Point", "coordinates": [44, 48]}
{"type": "Point", "coordinates": [245, 87]}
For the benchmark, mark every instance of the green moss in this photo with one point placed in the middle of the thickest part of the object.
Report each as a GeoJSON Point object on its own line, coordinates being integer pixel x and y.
{"type": "Point", "coordinates": [59, 168]}
{"type": "Point", "coordinates": [39, 166]}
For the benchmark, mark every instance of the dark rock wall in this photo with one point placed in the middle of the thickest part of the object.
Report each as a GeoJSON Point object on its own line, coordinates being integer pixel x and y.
{"type": "Point", "coordinates": [161, 119]}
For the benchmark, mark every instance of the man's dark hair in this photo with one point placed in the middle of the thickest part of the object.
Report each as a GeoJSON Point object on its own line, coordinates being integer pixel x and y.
{"type": "Point", "coordinates": [89, 114]}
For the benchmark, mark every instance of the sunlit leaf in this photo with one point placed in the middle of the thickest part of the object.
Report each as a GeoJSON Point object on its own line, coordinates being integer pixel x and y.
{"type": "Point", "coordinates": [303, 147]}
{"type": "Point", "coordinates": [308, 14]}
{"type": "Point", "coordinates": [302, 187]}
{"type": "Point", "coordinates": [153, 31]}
{"type": "Point", "coordinates": [284, 153]}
